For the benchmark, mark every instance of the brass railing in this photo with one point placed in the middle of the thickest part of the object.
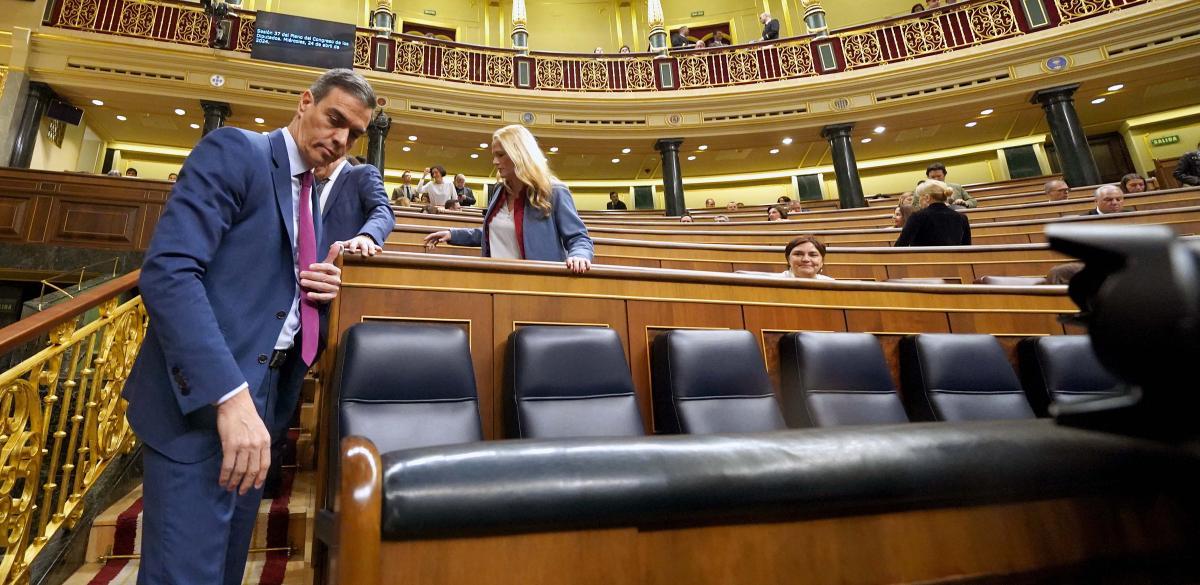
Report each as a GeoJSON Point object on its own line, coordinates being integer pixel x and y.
{"type": "Point", "coordinates": [62, 419]}
{"type": "Point", "coordinates": [932, 32]}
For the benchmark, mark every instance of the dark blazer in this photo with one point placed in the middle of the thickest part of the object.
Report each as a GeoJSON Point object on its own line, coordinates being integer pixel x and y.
{"type": "Point", "coordinates": [771, 30]}
{"type": "Point", "coordinates": [936, 225]}
{"type": "Point", "coordinates": [218, 281]}
{"type": "Point", "coordinates": [1092, 211]}
{"type": "Point", "coordinates": [466, 197]}
{"type": "Point", "coordinates": [551, 238]}
{"type": "Point", "coordinates": [358, 204]}
{"type": "Point", "coordinates": [618, 204]}
{"type": "Point", "coordinates": [679, 41]}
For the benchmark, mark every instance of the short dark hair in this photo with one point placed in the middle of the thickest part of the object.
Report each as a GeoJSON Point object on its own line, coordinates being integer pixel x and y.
{"type": "Point", "coordinates": [346, 80]}
{"type": "Point", "coordinates": [783, 199]}
{"type": "Point", "coordinates": [441, 169]}
{"type": "Point", "coordinates": [780, 208]}
{"type": "Point", "coordinates": [787, 251]}
{"type": "Point", "coordinates": [937, 166]}
{"type": "Point", "coordinates": [1127, 178]}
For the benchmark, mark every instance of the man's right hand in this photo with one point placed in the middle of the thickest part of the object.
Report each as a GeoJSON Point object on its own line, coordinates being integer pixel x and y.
{"type": "Point", "coordinates": [245, 444]}
{"type": "Point", "coordinates": [432, 240]}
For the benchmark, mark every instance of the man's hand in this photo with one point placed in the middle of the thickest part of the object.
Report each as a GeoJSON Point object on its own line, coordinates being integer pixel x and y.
{"type": "Point", "coordinates": [322, 280]}
{"type": "Point", "coordinates": [578, 265]}
{"type": "Point", "coordinates": [432, 240]}
{"type": "Point", "coordinates": [245, 444]}
{"type": "Point", "coordinates": [362, 244]}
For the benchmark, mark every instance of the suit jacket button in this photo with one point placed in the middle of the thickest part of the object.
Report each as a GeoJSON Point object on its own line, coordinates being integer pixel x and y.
{"type": "Point", "coordinates": [262, 358]}
{"type": "Point", "coordinates": [280, 315]}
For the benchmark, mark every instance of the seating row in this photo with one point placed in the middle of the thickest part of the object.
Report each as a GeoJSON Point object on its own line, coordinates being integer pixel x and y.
{"type": "Point", "coordinates": [407, 386]}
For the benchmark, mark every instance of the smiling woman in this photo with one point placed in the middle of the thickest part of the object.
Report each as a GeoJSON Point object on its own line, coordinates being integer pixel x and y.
{"type": "Point", "coordinates": [806, 258]}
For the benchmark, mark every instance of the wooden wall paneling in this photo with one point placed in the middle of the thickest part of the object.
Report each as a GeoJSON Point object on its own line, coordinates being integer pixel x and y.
{"type": "Point", "coordinates": [514, 311]}
{"type": "Point", "coordinates": [628, 261]}
{"type": "Point", "coordinates": [769, 267]}
{"type": "Point", "coordinates": [39, 219]}
{"type": "Point", "coordinates": [103, 224]}
{"type": "Point", "coordinates": [1019, 268]}
{"type": "Point", "coordinates": [648, 319]}
{"type": "Point", "coordinates": [472, 311]}
{"type": "Point", "coordinates": [961, 273]}
{"type": "Point", "coordinates": [14, 216]}
{"type": "Point", "coordinates": [697, 265]}
{"type": "Point", "coordinates": [770, 324]}
{"type": "Point", "coordinates": [1008, 323]}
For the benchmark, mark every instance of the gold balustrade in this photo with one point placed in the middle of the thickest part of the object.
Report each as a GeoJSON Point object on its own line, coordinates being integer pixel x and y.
{"type": "Point", "coordinates": [62, 419]}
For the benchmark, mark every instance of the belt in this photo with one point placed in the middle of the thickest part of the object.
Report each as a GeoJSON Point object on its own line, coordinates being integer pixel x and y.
{"type": "Point", "coordinates": [278, 357]}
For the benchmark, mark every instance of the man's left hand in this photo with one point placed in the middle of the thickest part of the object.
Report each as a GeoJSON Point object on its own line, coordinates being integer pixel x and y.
{"type": "Point", "coordinates": [322, 280]}
{"type": "Point", "coordinates": [362, 244]}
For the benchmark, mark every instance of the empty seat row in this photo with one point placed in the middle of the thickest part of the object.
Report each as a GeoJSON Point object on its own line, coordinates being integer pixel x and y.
{"type": "Point", "coordinates": [407, 386]}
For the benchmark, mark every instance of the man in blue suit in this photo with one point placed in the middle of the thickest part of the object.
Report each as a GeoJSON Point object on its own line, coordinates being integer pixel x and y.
{"type": "Point", "coordinates": [232, 281]}
{"type": "Point", "coordinates": [354, 207]}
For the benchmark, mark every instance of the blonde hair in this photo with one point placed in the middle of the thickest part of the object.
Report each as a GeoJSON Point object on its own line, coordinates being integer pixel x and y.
{"type": "Point", "coordinates": [936, 190]}
{"type": "Point", "coordinates": [529, 163]}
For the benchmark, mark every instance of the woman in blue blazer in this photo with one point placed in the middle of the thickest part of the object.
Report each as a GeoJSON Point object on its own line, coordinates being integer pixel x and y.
{"type": "Point", "coordinates": [531, 215]}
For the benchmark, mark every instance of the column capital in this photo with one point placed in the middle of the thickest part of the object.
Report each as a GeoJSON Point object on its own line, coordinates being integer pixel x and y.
{"type": "Point", "coordinates": [381, 123]}
{"type": "Point", "coordinates": [668, 144]}
{"type": "Point", "coordinates": [837, 130]}
{"type": "Point", "coordinates": [221, 109]}
{"type": "Point", "coordinates": [1062, 93]}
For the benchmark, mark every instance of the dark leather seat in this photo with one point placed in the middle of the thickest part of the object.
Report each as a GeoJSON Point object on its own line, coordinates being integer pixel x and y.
{"type": "Point", "coordinates": [405, 386]}
{"type": "Point", "coordinates": [959, 377]}
{"type": "Point", "coordinates": [711, 382]}
{"type": "Point", "coordinates": [1011, 280]}
{"type": "Point", "coordinates": [570, 382]}
{"type": "Point", "coordinates": [832, 379]}
{"type": "Point", "coordinates": [1064, 369]}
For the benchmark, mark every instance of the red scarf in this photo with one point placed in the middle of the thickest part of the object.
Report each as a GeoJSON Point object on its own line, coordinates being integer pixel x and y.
{"type": "Point", "coordinates": [518, 218]}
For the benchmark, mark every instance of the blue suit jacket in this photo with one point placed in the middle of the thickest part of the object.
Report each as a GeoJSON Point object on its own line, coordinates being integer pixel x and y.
{"type": "Point", "coordinates": [357, 204]}
{"type": "Point", "coordinates": [553, 238]}
{"type": "Point", "coordinates": [217, 281]}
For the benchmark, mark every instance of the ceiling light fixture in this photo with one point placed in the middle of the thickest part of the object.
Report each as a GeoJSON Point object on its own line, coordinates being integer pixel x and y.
{"type": "Point", "coordinates": [260, 121]}
{"type": "Point", "coordinates": [702, 147]}
{"type": "Point", "coordinates": [774, 151]}
{"type": "Point", "coordinates": [971, 124]}
{"type": "Point", "coordinates": [121, 118]}
{"type": "Point", "coordinates": [485, 145]}
{"type": "Point", "coordinates": [406, 148]}
{"type": "Point", "coordinates": [986, 112]}
{"type": "Point", "coordinates": [412, 138]}
{"type": "Point", "coordinates": [553, 149]}
{"type": "Point", "coordinates": [474, 155]}
{"type": "Point", "coordinates": [866, 140]}
{"type": "Point", "coordinates": [180, 111]}
{"type": "Point", "coordinates": [626, 150]}
{"type": "Point", "coordinates": [616, 160]}
{"type": "Point", "coordinates": [880, 129]}
{"type": "Point", "coordinates": [97, 103]}
{"type": "Point", "coordinates": [1116, 87]}
{"type": "Point", "coordinates": [194, 126]}
{"type": "Point", "coordinates": [1099, 100]}
{"type": "Point", "coordinates": [787, 140]}
{"type": "Point", "coordinates": [692, 157]}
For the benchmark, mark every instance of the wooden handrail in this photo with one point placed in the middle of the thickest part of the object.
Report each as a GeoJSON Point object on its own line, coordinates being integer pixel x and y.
{"type": "Point", "coordinates": [32, 327]}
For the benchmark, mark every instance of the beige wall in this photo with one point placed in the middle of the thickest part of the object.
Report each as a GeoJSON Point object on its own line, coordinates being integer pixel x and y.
{"type": "Point", "coordinates": [148, 167]}
{"type": "Point", "coordinates": [77, 153]}
{"type": "Point", "coordinates": [1138, 138]}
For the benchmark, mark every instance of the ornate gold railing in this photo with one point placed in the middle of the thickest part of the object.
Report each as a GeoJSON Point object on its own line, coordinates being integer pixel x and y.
{"type": "Point", "coordinates": [62, 419]}
{"type": "Point", "coordinates": [957, 26]}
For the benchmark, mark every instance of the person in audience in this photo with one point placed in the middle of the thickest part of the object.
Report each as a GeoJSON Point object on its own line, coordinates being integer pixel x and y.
{"type": "Point", "coordinates": [624, 49]}
{"type": "Point", "coordinates": [598, 51]}
{"type": "Point", "coordinates": [172, 177]}
{"type": "Point", "coordinates": [1187, 170]}
{"type": "Point", "coordinates": [717, 41]}
{"type": "Point", "coordinates": [770, 27]}
{"type": "Point", "coordinates": [532, 214]}
{"type": "Point", "coordinates": [918, 7]}
{"type": "Point", "coordinates": [907, 198]}
{"type": "Point", "coordinates": [806, 258]}
{"type": "Point", "coordinates": [901, 214]}
{"type": "Point", "coordinates": [1057, 190]}
{"type": "Point", "coordinates": [700, 44]}
{"type": "Point", "coordinates": [1063, 273]}
{"type": "Point", "coordinates": [614, 201]}
{"type": "Point", "coordinates": [131, 172]}
{"type": "Point", "coordinates": [452, 205]}
{"type": "Point", "coordinates": [776, 213]}
{"type": "Point", "coordinates": [739, 205]}
{"type": "Point", "coordinates": [721, 219]}
{"type": "Point", "coordinates": [404, 193]}
{"type": "Point", "coordinates": [784, 199]}
{"type": "Point", "coordinates": [710, 203]}
{"type": "Point", "coordinates": [423, 199]}
{"type": "Point", "coordinates": [960, 198]}
{"type": "Point", "coordinates": [731, 206]}
{"type": "Point", "coordinates": [1109, 199]}
{"type": "Point", "coordinates": [462, 193]}
{"type": "Point", "coordinates": [685, 218]}
{"type": "Point", "coordinates": [794, 206]}
{"type": "Point", "coordinates": [679, 38]}
{"type": "Point", "coordinates": [113, 173]}
{"type": "Point", "coordinates": [1133, 183]}
{"type": "Point", "coordinates": [937, 224]}
{"type": "Point", "coordinates": [438, 189]}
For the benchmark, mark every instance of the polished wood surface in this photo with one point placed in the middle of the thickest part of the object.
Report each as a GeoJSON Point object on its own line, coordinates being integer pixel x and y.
{"type": "Point", "coordinates": [78, 209]}
{"type": "Point", "coordinates": [359, 514]}
{"type": "Point", "coordinates": [43, 322]}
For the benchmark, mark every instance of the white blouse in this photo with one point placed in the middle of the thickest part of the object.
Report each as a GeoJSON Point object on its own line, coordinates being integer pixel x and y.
{"type": "Point", "coordinates": [502, 235]}
{"type": "Point", "coordinates": [439, 193]}
{"type": "Point", "coordinates": [788, 274]}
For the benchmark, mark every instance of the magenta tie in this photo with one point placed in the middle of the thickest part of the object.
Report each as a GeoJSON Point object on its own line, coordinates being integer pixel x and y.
{"type": "Point", "coordinates": [306, 242]}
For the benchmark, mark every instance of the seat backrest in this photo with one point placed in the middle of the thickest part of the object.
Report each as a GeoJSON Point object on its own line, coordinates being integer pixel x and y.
{"type": "Point", "coordinates": [405, 386]}
{"type": "Point", "coordinates": [959, 377]}
{"type": "Point", "coordinates": [711, 382]}
{"type": "Point", "coordinates": [1011, 280]}
{"type": "Point", "coordinates": [831, 379]}
{"type": "Point", "coordinates": [1064, 369]}
{"type": "Point", "coordinates": [569, 382]}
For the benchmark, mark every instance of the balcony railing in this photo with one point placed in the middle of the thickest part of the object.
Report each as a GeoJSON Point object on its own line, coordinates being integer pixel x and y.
{"type": "Point", "coordinates": [62, 419]}
{"type": "Point", "coordinates": [932, 32]}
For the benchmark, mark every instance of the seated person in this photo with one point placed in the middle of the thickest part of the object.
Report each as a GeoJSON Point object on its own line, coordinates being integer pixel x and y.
{"type": "Point", "coordinates": [1187, 171]}
{"type": "Point", "coordinates": [783, 200]}
{"type": "Point", "coordinates": [901, 214]}
{"type": "Point", "coordinates": [1109, 199]}
{"type": "Point", "coordinates": [776, 213]}
{"type": "Point", "coordinates": [1062, 273]}
{"type": "Point", "coordinates": [721, 219]}
{"type": "Point", "coordinates": [937, 171]}
{"type": "Point", "coordinates": [1057, 190]}
{"type": "Point", "coordinates": [907, 198]}
{"type": "Point", "coordinates": [806, 258]}
{"type": "Point", "coordinates": [685, 218]}
{"type": "Point", "coordinates": [793, 206]}
{"type": "Point", "coordinates": [1133, 183]}
{"type": "Point", "coordinates": [937, 224]}
{"type": "Point", "coordinates": [452, 205]}
{"type": "Point", "coordinates": [731, 206]}
{"type": "Point", "coordinates": [710, 203]}
{"type": "Point", "coordinates": [614, 201]}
